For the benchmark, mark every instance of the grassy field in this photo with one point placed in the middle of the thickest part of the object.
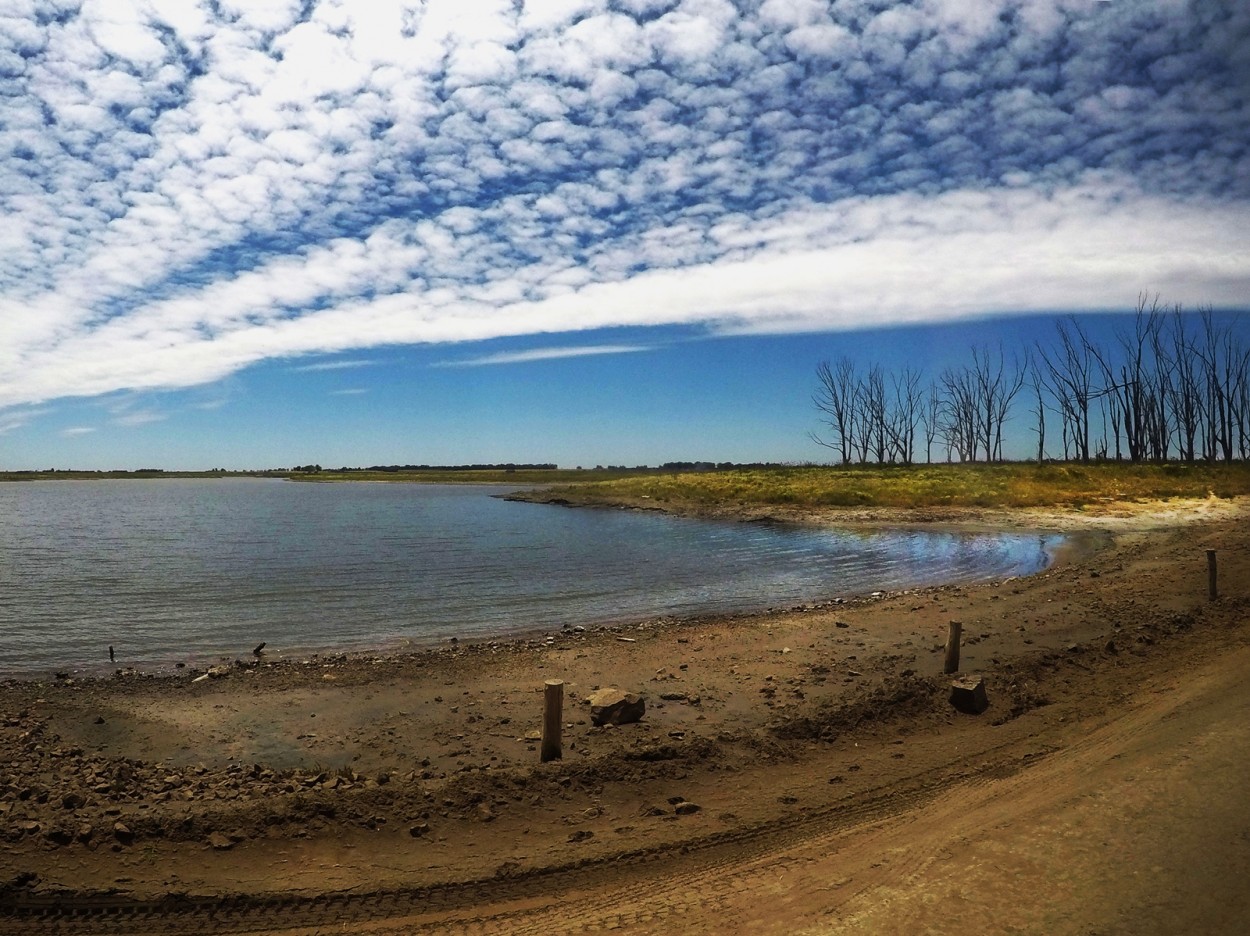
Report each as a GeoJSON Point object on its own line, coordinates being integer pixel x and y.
{"type": "Point", "coordinates": [1003, 485]}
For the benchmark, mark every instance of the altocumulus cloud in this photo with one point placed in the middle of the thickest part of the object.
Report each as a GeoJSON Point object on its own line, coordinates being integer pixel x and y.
{"type": "Point", "coordinates": [189, 188]}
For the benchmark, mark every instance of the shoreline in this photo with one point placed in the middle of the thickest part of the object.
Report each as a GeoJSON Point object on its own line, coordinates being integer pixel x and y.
{"type": "Point", "coordinates": [1084, 532]}
{"type": "Point", "coordinates": [417, 773]}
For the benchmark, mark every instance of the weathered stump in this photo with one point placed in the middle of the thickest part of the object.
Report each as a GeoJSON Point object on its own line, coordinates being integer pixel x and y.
{"type": "Point", "coordinates": [552, 747]}
{"type": "Point", "coordinates": [968, 695]}
{"type": "Point", "coordinates": [951, 663]}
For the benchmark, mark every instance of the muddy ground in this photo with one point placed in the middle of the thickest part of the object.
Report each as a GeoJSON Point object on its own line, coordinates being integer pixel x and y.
{"type": "Point", "coordinates": [800, 770]}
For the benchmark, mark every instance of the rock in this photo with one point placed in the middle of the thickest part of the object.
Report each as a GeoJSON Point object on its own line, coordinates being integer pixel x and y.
{"type": "Point", "coordinates": [220, 842]}
{"type": "Point", "coordinates": [686, 808]}
{"type": "Point", "coordinates": [581, 835]}
{"type": "Point", "coordinates": [968, 695]}
{"type": "Point", "coordinates": [122, 833]}
{"type": "Point", "coordinates": [73, 801]}
{"type": "Point", "coordinates": [613, 706]}
{"type": "Point", "coordinates": [419, 829]}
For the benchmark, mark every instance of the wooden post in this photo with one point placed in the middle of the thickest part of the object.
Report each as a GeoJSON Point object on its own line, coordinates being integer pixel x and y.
{"type": "Point", "coordinates": [952, 647]}
{"type": "Point", "coordinates": [1212, 592]}
{"type": "Point", "coordinates": [553, 715]}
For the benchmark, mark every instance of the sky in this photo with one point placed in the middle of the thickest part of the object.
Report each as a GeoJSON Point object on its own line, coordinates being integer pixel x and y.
{"type": "Point", "coordinates": [258, 233]}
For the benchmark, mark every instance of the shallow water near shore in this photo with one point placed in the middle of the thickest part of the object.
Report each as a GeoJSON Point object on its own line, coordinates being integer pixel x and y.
{"type": "Point", "coordinates": [194, 570]}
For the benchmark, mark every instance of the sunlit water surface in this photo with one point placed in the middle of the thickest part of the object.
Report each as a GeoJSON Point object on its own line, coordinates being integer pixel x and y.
{"type": "Point", "coordinates": [194, 570]}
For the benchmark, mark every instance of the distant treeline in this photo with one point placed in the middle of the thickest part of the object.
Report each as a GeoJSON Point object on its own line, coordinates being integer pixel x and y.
{"type": "Point", "coordinates": [1172, 384]}
{"type": "Point", "coordinates": [540, 466]}
{"type": "Point", "coordinates": [506, 466]}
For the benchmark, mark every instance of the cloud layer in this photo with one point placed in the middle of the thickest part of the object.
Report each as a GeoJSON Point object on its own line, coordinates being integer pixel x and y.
{"type": "Point", "coordinates": [191, 188]}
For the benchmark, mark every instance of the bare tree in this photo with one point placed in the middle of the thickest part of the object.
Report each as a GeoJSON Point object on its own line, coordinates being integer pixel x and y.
{"type": "Point", "coordinates": [1132, 385]}
{"type": "Point", "coordinates": [1186, 393]}
{"type": "Point", "coordinates": [908, 399]}
{"type": "Point", "coordinates": [835, 397]}
{"type": "Point", "coordinates": [1038, 386]}
{"type": "Point", "coordinates": [997, 386]}
{"type": "Point", "coordinates": [1161, 387]}
{"type": "Point", "coordinates": [1069, 373]}
{"type": "Point", "coordinates": [1225, 361]}
{"type": "Point", "coordinates": [874, 414]}
{"type": "Point", "coordinates": [960, 412]}
{"type": "Point", "coordinates": [931, 420]}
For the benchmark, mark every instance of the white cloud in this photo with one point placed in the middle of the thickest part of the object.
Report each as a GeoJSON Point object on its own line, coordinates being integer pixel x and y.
{"type": "Point", "coordinates": [543, 354]}
{"type": "Point", "coordinates": [263, 183]}
{"type": "Point", "coordinates": [334, 365]}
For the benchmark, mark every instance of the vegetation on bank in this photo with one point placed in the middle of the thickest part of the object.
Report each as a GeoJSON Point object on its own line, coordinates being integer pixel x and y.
{"type": "Point", "coordinates": [1016, 484]}
{"type": "Point", "coordinates": [472, 474]}
{"type": "Point", "coordinates": [70, 474]}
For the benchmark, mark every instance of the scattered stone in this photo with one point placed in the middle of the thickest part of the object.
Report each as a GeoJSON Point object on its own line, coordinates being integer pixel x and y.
{"type": "Point", "coordinates": [581, 835]}
{"type": "Point", "coordinates": [686, 808]}
{"type": "Point", "coordinates": [611, 706]}
{"type": "Point", "coordinates": [842, 624]}
{"type": "Point", "coordinates": [968, 695]}
{"type": "Point", "coordinates": [1111, 647]}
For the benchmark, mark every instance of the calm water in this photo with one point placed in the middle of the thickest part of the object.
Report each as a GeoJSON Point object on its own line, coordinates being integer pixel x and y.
{"type": "Point", "coordinates": [195, 570]}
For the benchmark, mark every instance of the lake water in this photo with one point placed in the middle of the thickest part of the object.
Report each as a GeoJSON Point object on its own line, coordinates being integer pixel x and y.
{"type": "Point", "coordinates": [196, 570]}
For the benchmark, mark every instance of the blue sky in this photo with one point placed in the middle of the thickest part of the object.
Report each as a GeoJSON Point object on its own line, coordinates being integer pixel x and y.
{"type": "Point", "coordinates": [614, 231]}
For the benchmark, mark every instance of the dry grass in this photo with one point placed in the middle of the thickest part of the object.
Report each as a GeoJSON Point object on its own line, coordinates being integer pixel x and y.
{"type": "Point", "coordinates": [1005, 485]}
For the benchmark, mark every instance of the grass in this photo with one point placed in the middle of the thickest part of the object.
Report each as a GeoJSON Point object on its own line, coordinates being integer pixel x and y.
{"type": "Point", "coordinates": [1001, 485]}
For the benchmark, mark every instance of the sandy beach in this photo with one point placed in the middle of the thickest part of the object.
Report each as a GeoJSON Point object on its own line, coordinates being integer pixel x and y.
{"type": "Point", "coordinates": [796, 771]}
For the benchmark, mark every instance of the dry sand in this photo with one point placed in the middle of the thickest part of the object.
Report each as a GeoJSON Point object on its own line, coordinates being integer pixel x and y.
{"type": "Point", "coordinates": [836, 789]}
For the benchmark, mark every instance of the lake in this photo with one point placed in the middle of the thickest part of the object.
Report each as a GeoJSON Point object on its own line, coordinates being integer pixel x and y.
{"type": "Point", "coordinates": [196, 570]}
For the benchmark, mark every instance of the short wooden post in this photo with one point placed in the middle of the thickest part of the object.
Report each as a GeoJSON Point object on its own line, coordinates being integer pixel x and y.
{"type": "Point", "coordinates": [1212, 591]}
{"type": "Point", "coordinates": [553, 715]}
{"type": "Point", "coordinates": [952, 647]}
